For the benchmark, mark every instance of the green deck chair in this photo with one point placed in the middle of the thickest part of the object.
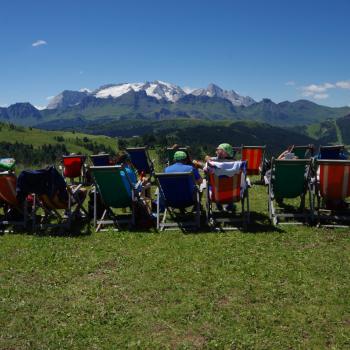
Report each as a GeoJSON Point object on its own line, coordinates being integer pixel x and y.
{"type": "Point", "coordinates": [303, 152]}
{"type": "Point", "coordinates": [290, 179]}
{"type": "Point", "coordinates": [114, 194]}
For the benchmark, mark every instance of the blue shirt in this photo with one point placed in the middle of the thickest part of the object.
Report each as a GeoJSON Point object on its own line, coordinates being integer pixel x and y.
{"type": "Point", "coordinates": [182, 168]}
{"type": "Point", "coordinates": [131, 175]}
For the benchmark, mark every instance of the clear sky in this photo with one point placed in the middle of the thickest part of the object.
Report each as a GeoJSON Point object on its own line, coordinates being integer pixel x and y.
{"type": "Point", "coordinates": [280, 49]}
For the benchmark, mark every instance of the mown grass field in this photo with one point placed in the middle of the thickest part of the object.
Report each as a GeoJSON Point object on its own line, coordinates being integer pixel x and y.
{"type": "Point", "coordinates": [285, 288]}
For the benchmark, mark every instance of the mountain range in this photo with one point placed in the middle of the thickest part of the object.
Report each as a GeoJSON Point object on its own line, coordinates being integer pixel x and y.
{"type": "Point", "coordinates": [158, 101]}
{"type": "Point", "coordinates": [158, 89]}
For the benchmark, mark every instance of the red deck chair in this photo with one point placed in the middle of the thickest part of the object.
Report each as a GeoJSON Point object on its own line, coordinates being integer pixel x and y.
{"type": "Point", "coordinates": [223, 190]}
{"type": "Point", "coordinates": [332, 188]}
{"type": "Point", "coordinates": [254, 155]}
{"type": "Point", "coordinates": [9, 202]}
{"type": "Point", "coordinates": [73, 167]}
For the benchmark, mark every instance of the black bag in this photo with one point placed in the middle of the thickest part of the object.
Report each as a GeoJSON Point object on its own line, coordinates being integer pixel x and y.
{"type": "Point", "coordinates": [143, 215]}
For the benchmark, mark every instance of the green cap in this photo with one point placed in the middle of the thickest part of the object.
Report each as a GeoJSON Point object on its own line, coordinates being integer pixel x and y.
{"type": "Point", "coordinates": [180, 155]}
{"type": "Point", "coordinates": [227, 148]}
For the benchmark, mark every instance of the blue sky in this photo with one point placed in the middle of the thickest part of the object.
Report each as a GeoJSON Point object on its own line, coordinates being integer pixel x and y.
{"type": "Point", "coordinates": [283, 50]}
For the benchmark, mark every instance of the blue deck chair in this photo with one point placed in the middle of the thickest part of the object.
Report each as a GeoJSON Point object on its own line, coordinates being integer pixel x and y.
{"type": "Point", "coordinates": [178, 191]}
{"type": "Point", "coordinates": [141, 160]}
{"type": "Point", "coordinates": [100, 159]}
{"type": "Point", "coordinates": [332, 152]}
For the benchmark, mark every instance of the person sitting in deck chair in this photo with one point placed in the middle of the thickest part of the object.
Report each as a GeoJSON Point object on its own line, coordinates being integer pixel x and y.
{"type": "Point", "coordinates": [224, 152]}
{"type": "Point", "coordinates": [287, 154]}
{"type": "Point", "coordinates": [181, 166]}
{"type": "Point", "coordinates": [130, 172]}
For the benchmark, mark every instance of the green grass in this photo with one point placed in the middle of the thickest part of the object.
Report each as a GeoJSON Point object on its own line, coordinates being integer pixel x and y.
{"type": "Point", "coordinates": [38, 138]}
{"type": "Point", "coordinates": [285, 288]}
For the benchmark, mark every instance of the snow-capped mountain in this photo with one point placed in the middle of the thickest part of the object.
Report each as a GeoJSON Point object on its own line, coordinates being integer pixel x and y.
{"type": "Point", "coordinates": [215, 91]}
{"type": "Point", "coordinates": [67, 98]}
{"type": "Point", "coordinates": [157, 89]}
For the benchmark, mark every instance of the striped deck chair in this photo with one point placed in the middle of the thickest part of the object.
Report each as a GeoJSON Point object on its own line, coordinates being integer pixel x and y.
{"type": "Point", "coordinates": [290, 178]}
{"type": "Point", "coordinates": [177, 191]}
{"type": "Point", "coordinates": [141, 160]}
{"type": "Point", "coordinates": [332, 189]}
{"type": "Point", "coordinates": [73, 167]}
{"type": "Point", "coordinates": [115, 193]}
{"type": "Point", "coordinates": [15, 213]}
{"type": "Point", "coordinates": [227, 190]}
{"type": "Point", "coordinates": [254, 155]}
{"type": "Point", "coordinates": [332, 152]}
{"type": "Point", "coordinates": [303, 152]}
{"type": "Point", "coordinates": [55, 204]}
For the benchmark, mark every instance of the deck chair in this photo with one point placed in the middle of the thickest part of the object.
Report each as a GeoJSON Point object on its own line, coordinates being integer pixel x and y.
{"type": "Point", "coordinates": [141, 160]}
{"type": "Point", "coordinates": [303, 152]}
{"type": "Point", "coordinates": [114, 194]}
{"type": "Point", "coordinates": [73, 167]}
{"type": "Point", "coordinates": [15, 213]}
{"type": "Point", "coordinates": [332, 188]}
{"type": "Point", "coordinates": [254, 155]}
{"type": "Point", "coordinates": [290, 179]}
{"type": "Point", "coordinates": [177, 191]}
{"type": "Point", "coordinates": [332, 152]}
{"type": "Point", "coordinates": [227, 188]}
{"type": "Point", "coordinates": [171, 151]}
{"type": "Point", "coordinates": [55, 205]}
{"type": "Point", "coordinates": [100, 159]}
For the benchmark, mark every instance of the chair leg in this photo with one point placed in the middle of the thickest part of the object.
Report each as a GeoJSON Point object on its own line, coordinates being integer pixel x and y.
{"type": "Point", "coordinates": [95, 209]}
{"type": "Point", "coordinates": [198, 212]}
{"type": "Point", "coordinates": [164, 219]}
{"type": "Point", "coordinates": [158, 211]}
{"type": "Point", "coordinates": [100, 224]}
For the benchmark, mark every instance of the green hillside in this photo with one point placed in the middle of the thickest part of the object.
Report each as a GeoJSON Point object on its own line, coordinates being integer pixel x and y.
{"type": "Point", "coordinates": [34, 146]}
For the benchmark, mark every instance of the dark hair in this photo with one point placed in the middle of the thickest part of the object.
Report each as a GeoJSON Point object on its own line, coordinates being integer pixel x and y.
{"type": "Point", "coordinates": [123, 157]}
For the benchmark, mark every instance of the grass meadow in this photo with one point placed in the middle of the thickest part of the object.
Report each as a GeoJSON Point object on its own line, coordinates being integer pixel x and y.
{"type": "Point", "coordinates": [267, 288]}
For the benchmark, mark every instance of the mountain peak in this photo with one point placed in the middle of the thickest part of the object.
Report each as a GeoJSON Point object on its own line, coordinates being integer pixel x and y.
{"type": "Point", "coordinates": [214, 90]}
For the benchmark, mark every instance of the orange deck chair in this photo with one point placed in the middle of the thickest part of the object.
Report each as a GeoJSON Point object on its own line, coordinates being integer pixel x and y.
{"type": "Point", "coordinates": [73, 167]}
{"type": "Point", "coordinates": [225, 190]}
{"type": "Point", "coordinates": [8, 181]}
{"type": "Point", "coordinates": [254, 155]}
{"type": "Point", "coordinates": [333, 185]}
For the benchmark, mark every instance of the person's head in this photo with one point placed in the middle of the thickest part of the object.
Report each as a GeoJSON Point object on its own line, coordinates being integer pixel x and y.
{"type": "Point", "coordinates": [224, 150]}
{"type": "Point", "coordinates": [180, 156]}
{"type": "Point", "coordinates": [123, 157]}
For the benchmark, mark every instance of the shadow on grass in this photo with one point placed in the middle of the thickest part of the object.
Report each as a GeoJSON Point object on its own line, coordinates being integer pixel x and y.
{"type": "Point", "coordinates": [78, 228]}
{"type": "Point", "coordinates": [260, 222]}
